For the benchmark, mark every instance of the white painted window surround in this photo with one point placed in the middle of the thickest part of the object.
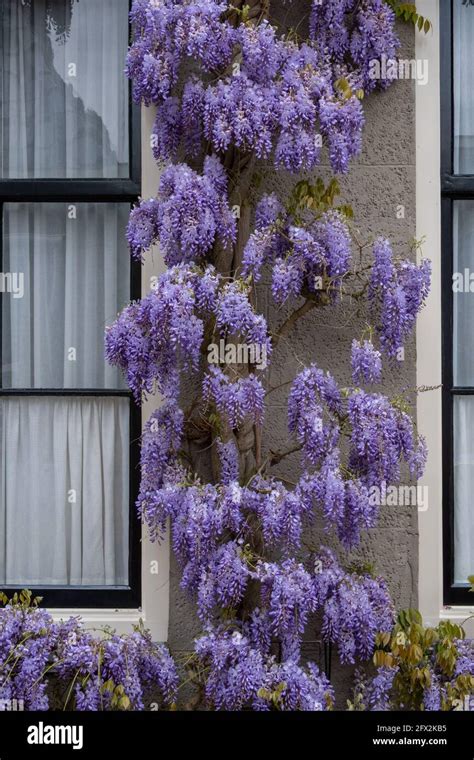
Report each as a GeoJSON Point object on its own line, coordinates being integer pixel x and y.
{"type": "Point", "coordinates": [155, 586]}
{"type": "Point", "coordinates": [428, 225]}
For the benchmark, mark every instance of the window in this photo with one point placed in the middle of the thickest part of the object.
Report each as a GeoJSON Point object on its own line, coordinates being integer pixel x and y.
{"type": "Point", "coordinates": [69, 429]}
{"type": "Point", "coordinates": [457, 186]}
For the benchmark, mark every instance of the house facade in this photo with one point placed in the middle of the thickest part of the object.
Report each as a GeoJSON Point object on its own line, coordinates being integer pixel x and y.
{"type": "Point", "coordinates": [76, 155]}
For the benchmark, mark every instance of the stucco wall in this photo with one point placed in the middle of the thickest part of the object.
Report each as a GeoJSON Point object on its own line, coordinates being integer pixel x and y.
{"type": "Point", "coordinates": [380, 180]}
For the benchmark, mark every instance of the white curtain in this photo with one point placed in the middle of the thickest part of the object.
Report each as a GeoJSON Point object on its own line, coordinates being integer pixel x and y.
{"type": "Point", "coordinates": [463, 376]}
{"type": "Point", "coordinates": [63, 97]}
{"type": "Point", "coordinates": [463, 60]}
{"type": "Point", "coordinates": [463, 488]}
{"type": "Point", "coordinates": [76, 278]}
{"type": "Point", "coordinates": [463, 299]}
{"type": "Point", "coordinates": [64, 492]}
{"type": "Point", "coordinates": [64, 484]}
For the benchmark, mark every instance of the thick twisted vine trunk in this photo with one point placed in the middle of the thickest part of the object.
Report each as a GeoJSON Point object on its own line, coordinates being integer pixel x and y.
{"type": "Point", "coordinates": [240, 168]}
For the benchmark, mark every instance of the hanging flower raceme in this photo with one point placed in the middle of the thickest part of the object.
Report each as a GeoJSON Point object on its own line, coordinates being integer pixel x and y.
{"type": "Point", "coordinates": [313, 396]}
{"type": "Point", "coordinates": [280, 512]}
{"type": "Point", "coordinates": [168, 32]}
{"type": "Point", "coordinates": [154, 339]}
{"type": "Point", "coordinates": [360, 31]}
{"type": "Point", "coordinates": [355, 608]}
{"type": "Point", "coordinates": [313, 258]}
{"type": "Point", "coordinates": [397, 292]}
{"type": "Point", "coordinates": [236, 317]}
{"type": "Point", "coordinates": [229, 461]}
{"type": "Point", "coordinates": [224, 580]}
{"type": "Point", "coordinates": [366, 363]}
{"type": "Point", "coordinates": [344, 502]}
{"type": "Point", "coordinates": [188, 216]}
{"type": "Point", "coordinates": [288, 592]}
{"type": "Point", "coordinates": [381, 436]}
{"type": "Point", "coordinates": [237, 400]}
{"type": "Point", "coordinates": [241, 677]}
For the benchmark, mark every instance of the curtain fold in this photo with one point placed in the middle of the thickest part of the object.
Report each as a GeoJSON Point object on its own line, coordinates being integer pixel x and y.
{"type": "Point", "coordinates": [463, 488]}
{"type": "Point", "coordinates": [64, 502]}
{"type": "Point", "coordinates": [64, 460]}
{"type": "Point", "coordinates": [463, 83]}
{"type": "Point", "coordinates": [76, 278]}
{"type": "Point", "coordinates": [64, 96]}
{"type": "Point", "coordinates": [463, 299]}
{"type": "Point", "coordinates": [65, 464]}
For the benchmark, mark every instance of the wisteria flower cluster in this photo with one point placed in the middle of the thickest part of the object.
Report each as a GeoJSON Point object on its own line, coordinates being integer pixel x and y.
{"type": "Point", "coordinates": [187, 217]}
{"type": "Point", "coordinates": [310, 258]}
{"type": "Point", "coordinates": [237, 96]}
{"type": "Point", "coordinates": [271, 94]}
{"type": "Point", "coordinates": [242, 677]}
{"type": "Point", "coordinates": [112, 672]}
{"type": "Point", "coordinates": [154, 338]}
{"type": "Point", "coordinates": [356, 607]}
{"type": "Point", "coordinates": [370, 35]}
{"type": "Point", "coordinates": [397, 291]}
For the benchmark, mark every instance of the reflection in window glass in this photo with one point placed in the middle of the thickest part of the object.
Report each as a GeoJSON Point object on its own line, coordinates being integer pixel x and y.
{"type": "Point", "coordinates": [64, 96]}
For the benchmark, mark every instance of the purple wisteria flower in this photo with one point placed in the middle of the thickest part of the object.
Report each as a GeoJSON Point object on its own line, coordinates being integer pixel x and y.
{"type": "Point", "coordinates": [234, 400]}
{"type": "Point", "coordinates": [355, 609]}
{"type": "Point", "coordinates": [189, 214]}
{"type": "Point", "coordinates": [366, 362]}
{"type": "Point", "coordinates": [152, 339]}
{"type": "Point", "coordinates": [397, 292]}
{"type": "Point", "coordinates": [280, 95]}
{"type": "Point", "coordinates": [113, 672]}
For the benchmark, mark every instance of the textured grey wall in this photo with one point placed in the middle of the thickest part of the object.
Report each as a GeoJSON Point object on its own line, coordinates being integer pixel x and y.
{"type": "Point", "coordinates": [381, 179]}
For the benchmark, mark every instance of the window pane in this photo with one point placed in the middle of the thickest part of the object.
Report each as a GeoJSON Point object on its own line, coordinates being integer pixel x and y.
{"type": "Point", "coordinates": [64, 96]}
{"type": "Point", "coordinates": [66, 269]}
{"type": "Point", "coordinates": [64, 491]}
{"type": "Point", "coordinates": [463, 488]}
{"type": "Point", "coordinates": [463, 297]}
{"type": "Point", "coordinates": [463, 60]}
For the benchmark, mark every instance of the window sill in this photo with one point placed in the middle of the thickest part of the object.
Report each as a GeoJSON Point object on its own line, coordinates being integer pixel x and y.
{"type": "Point", "coordinates": [121, 620]}
{"type": "Point", "coordinates": [459, 614]}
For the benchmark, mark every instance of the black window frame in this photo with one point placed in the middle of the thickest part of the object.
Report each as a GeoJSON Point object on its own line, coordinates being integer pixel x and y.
{"type": "Point", "coordinates": [123, 190]}
{"type": "Point", "coordinates": [454, 187]}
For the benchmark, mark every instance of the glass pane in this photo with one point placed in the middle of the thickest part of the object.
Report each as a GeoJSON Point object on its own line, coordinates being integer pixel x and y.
{"type": "Point", "coordinates": [64, 96]}
{"type": "Point", "coordinates": [66, 275]}
{"type": "Point", "coordinates": [64, 491]}
{"type": "Point", "coordinates": [463, 293]}
{"type": "Point", "coordinates": [463, 488]}
{"type": "Point", "coordinates": [463, 87]}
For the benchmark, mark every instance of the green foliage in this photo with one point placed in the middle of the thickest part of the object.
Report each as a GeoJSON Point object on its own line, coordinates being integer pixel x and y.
{"type": "Point", "coordinates": [408, 12]}
{"type": "Point", "coordinates": [24, 599]}
{"type": "Point", "coordinates": [317, 198]}
{"type": "Point", "coordinates": [273, 697]}
{"type": "Point", "coordinates": [417, 651]}
{"type": "Point", "coordinates": [362, 567]}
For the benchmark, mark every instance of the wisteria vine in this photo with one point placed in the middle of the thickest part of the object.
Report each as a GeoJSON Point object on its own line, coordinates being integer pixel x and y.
{"type": "Point", "coordinates": [234, 92]}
